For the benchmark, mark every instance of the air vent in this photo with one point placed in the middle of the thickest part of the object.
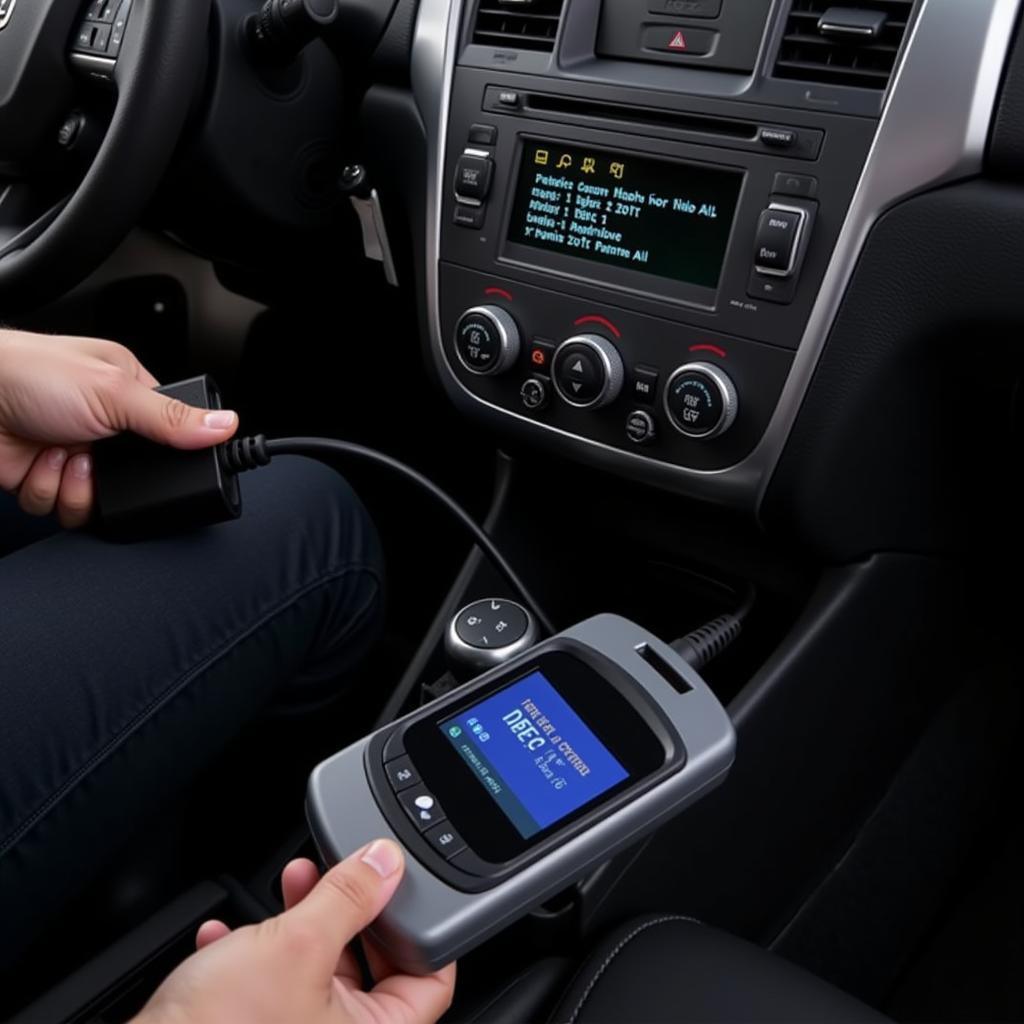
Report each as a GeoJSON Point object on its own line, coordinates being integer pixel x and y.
{"type": "Point", "coordinates": [518, 24]}
{"type": "Point", "coordinates": [853, 45]}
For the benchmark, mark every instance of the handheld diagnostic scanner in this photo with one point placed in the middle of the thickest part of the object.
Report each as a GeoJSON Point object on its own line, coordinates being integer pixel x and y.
{"type": "Point", "coordinates": [515, 785]}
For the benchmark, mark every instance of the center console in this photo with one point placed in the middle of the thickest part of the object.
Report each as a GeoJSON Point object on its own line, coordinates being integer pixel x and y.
{"type": "Point", "coordinates": [645, 213]}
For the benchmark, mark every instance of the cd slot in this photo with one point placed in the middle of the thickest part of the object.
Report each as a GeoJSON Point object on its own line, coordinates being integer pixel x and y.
{"type": "Point", "coordinates": [680, 125]}
{"type": "Point", "coordinates": [618, 113]}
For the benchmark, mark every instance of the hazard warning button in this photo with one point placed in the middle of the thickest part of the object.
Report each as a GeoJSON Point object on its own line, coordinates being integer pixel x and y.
{"type": "Point", "coordinates": [679, 40]}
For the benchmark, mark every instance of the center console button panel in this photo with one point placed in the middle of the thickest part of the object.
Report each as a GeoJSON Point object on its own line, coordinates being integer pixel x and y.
{"type": "Point", "coordinates": [630, 251]}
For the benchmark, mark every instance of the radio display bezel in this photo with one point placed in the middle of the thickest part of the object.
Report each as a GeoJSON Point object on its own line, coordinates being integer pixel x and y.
{"type": "Point", "coordinates": [606, 275]}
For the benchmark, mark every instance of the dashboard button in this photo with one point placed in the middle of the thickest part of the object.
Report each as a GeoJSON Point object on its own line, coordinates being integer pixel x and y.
{"type": "Point", "coordinates": [469, 216]}
{"type": "Point", "coordinates": [778, 138]}
{"type": "Point", "coordinates": [778, 240]}
{"type": "Point", "coordinates": [534, 394]}
{"type": "Point", "coordinates": [686, 8]}
{"type": "Point", "coordinates": [445, 840]}
{"type": "Point", "coordinates": [508, 98]}
{"type": "Point", "coordinates": [580, 374]}
{"type": "Point", "coordinates": [587, 371]}
{"type": "Point", "coordinates": [401, 773]}
{"type": "Point", "coordinates": [541, 353]}
{"type": "Point", "coordinates": [473, 175]}
{"type": "Point", "coordinates": [483, 134]}
{"type": "Point", "coordinates": [701, 401]}
{"type": "Point", "coordinates": [421, 805]}
{"type": "Point", "coordinates": [645, 384]}
{"type": "Point", "coordinates": [640, 428]}
{"type": "Point", "coordinates": [680, 40]}
{"type": "Point", "coordinates": [795, 185]}
{"type": "Point", "coordinates": [487, 340]}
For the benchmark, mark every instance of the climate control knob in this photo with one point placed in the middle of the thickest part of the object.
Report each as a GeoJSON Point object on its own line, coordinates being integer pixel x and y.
{"type": "Point", "coordinates": [701, 401]}
{"type": "Point", "coordinates": [587, 371]}
{"type": "Point", "coordinates": [487, 340]}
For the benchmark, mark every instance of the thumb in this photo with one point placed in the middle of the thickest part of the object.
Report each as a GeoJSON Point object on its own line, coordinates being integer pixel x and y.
{"type": "Point", "coordinates": [350, 896]}
{"type": "Point", "coordinates": [170, 421]}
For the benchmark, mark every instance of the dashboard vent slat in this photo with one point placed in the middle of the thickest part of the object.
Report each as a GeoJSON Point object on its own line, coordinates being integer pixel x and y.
{"type": "Point", "coordinates": [807, 55]}
{"type": "Point", "coordinates": [519, 25]}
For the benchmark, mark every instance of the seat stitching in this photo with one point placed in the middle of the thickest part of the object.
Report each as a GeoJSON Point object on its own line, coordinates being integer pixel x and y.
{"type": "Point", "coordinates": [165, 696]}
{"type": "Point", "coordinates": [617, 950]}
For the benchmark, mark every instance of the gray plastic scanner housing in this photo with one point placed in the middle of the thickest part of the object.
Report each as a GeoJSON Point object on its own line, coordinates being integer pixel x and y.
{"type": "Point", "coordinates": [429, 922]}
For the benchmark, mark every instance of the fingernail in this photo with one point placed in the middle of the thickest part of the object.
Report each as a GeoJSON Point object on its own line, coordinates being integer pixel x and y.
{"type": "Point", "coordinates": [56, 457]}
{"type": "Point", "coordinates": [80, 467]}
{"type": "Point", "coordinates": [383, 856]}
{"type": "Point", "coordinates": [219, 419]}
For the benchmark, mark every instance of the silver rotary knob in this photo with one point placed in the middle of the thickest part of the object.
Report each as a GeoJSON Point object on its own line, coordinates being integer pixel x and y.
{"type": "Point", "coordinates": [487, 633]}
{"type": "Point", "coordinates": [701, 401]}
{"type": "Point", "coordinates": [487, 340]}
{"type": "Point", "coordinates": [587, 371]}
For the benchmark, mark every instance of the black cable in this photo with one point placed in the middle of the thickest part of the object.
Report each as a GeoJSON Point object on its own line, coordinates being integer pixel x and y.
{"type": "Point", "coordinates": [247, 453]}
{"type": "Point", "coordinates": [710, 640]}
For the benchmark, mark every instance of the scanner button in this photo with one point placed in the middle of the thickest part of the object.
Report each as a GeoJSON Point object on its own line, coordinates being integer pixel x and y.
{"type": "Point", "coordinates": [445, 840]}
{"type": "Point", "coordinates": [401, 774]}
{"type": "Point", "coordinates": [421, 805]}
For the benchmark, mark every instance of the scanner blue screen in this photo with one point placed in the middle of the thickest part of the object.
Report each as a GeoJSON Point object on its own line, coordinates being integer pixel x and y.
{"type": "Point", "coordinates": [534, 755]}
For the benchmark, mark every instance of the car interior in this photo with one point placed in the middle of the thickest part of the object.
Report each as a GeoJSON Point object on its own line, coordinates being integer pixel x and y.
{"type": "Point", "coordinates": [675, 299]}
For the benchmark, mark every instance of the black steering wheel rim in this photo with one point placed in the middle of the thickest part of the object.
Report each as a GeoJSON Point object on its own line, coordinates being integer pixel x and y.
{"type": "Point", "coordinates": [157, 75]}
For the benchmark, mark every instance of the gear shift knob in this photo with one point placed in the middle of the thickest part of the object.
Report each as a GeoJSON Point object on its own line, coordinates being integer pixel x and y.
{"type": "Point", "coordinates": [487, 633]}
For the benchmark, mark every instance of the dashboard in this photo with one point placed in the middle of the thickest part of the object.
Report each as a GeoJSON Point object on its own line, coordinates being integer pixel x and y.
{"type": "Point", "coordinates": [643, 217]}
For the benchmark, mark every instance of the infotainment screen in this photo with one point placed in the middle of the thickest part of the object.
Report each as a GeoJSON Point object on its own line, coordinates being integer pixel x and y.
{"type": "Point", "coordinates": [533, 754]}
{"type": "Point", "coordinates": [658, 217]}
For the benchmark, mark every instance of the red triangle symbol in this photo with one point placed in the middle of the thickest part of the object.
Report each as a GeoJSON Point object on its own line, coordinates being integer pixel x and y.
{"type": "Point", "coordinates": [678, 42]}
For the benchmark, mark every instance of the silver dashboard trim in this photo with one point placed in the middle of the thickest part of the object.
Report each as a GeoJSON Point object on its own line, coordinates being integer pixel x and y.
{"type": "Point", "coordinates": [956, 51]}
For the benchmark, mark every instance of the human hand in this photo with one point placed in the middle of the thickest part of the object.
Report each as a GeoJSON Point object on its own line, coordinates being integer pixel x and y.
{"type": "Point", "coordinates": [59, 394]}
{"type": "Point", "coordinates": [295, 967]}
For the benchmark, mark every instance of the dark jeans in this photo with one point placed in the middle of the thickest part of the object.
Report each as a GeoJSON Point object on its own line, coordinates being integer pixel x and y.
{"type": "Point", "coordinates": [125, 668]}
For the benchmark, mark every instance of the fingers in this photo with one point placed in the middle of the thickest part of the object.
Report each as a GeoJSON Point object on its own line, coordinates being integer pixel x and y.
{"type": "Point", "coordinates": [297, 881]}
{"type": "Point", "coordinates": [402, 997]}
{"type": "Point", "coordinates": [171, 421]}
{"type": "Point", "coordinates": [348, 898]}
{"type": "Point", "coordinates": [74, 501]}
{"type": "Point", "coordinates": [38, 491]}
{"type": "Point", "coordinates": [209, 932]}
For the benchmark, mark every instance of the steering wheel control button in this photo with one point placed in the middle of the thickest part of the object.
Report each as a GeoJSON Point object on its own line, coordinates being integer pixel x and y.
{"type": "Point", "coordinates": [401, 773]}
{"type": "Point", "coordinates": [778, 240]}
{"type": "Point", "coordinates": [587, 371]}
{"type": "Point", "coordinates": [701, 401]}
{"type": "Point", "coordinates": [534, 394]}
{"type": "Point", "coordinates": [421, 805]}
{"type": "Point", "coordinates": [445, 840]}
{"type": "Point", "coordinates": [487, 340]}
{"type": "Point", "coordinates": [469, 217]}
{"type": "Point", "coordinates": [474, 173]}
{"type": "Point", "coordinates": [102, 10]}
{"type": "Point", "coordinates": [645, 384]}
{"type": "Point", "coordinates": [640, 427]}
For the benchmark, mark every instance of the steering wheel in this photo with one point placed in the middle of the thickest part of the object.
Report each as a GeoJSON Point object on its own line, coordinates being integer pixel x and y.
{"type": "Point", "coordinates": [72, 185]}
